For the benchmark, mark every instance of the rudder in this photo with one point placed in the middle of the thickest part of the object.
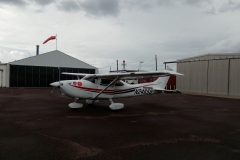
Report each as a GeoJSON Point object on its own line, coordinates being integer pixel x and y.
{"type": "Point", "coordinates": [162, 81]}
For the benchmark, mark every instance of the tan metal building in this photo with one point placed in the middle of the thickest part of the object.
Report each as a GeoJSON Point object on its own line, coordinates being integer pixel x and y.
{"type": "Point", "coordinates": [217, 74]}
{"type": "Point", "coordinates": [3, 67]}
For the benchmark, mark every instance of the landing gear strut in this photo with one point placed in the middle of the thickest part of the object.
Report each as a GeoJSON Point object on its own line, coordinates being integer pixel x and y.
{"type": "Point", "coordinates": [91, 102]}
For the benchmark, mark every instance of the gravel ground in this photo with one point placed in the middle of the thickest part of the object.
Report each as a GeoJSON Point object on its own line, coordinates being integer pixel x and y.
{"type": "Point", "coordinates": [35, 124]}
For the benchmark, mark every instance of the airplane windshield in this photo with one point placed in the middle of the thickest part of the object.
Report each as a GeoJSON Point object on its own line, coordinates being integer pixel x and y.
{"type": "Point", "coordinates": [90, 78]}
{"type": "Point", "coordinates": [119, 83]}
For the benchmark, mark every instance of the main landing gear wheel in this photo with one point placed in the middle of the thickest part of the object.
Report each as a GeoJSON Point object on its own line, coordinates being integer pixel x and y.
{"type": "Point", "coordinates": [115, 106]}
{"type": "Point", "coordinates": [75, 105]}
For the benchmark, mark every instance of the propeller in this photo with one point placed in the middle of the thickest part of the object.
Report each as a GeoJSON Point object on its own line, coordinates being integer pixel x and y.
{"type": "Point", "coordinates": [53, 89]}
{"type": "Point", "coordinates": [57, 84]}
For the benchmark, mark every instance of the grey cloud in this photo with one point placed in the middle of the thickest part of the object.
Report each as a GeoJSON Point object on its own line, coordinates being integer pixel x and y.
{"type": "Point", "coordinates": [101, 7]}
{"type": "Point", "coordinates": [166, 2]}
{"type": "Point", "coordinates": [197, 3]}
{"type": "Point", "coordinates": [145, 5]}
{"type": "Point", "coordinates": [13, 2]}
{"type": "Point", "coordinates": [69, 6]}
{"type": "Point", "coordinates": [226, 45]}
{"type": "Point", "coordinates": [44, 2]}
{"type": "Point", "coordinates": [142, 4]}
{"type": "Point", "coordinates": [230, 6]}
{"type": "Point", "coordinates": [26, 2]}
{"type": "Point", "coordinates": [184, 46]}
{"type": "Point", "coordinates": [211, 11]}
{"type": "Point", "coordinates": [91, 7]}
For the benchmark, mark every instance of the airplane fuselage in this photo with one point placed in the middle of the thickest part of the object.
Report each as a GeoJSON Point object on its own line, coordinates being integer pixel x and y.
{"type": "Point", "coordinates": [84, 89]}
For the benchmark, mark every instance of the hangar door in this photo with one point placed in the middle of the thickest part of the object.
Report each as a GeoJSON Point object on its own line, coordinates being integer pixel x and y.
{"type": "Point", "coordinates": [1, 78]}
{"type": "Point", "coordinates": [38, 76]}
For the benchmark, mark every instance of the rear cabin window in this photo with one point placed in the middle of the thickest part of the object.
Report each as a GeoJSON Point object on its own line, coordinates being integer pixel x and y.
{"type": "Point", "coordinates": [105, 82]}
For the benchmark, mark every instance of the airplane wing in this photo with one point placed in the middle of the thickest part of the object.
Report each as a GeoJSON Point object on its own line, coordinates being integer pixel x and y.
{"type": "Point", "coordinates": [76, 74]}
{"type": "Point", "coordinates": [128, 74]}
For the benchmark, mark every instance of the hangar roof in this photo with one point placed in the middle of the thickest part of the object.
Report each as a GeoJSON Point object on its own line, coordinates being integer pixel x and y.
{"type": "Point", "coordinates": [53, 59]}
{"type": "Point", "coordinates": [211, 56]}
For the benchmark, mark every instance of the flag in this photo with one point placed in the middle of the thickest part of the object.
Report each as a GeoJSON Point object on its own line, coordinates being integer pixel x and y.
{"type": "Point", "coordinates": [50, 38]}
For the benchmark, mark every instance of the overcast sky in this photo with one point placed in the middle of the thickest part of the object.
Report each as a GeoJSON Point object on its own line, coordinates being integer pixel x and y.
{"type": "Point", "coordinates": [99, 32]}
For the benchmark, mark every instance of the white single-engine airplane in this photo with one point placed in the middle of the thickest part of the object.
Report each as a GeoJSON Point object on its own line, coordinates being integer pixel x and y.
{"type": "Point", "coordinates": [93, 87]}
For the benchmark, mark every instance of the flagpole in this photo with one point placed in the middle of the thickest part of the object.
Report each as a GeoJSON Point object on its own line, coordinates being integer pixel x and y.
{"type": "Point", "coordinates": [56, 41]}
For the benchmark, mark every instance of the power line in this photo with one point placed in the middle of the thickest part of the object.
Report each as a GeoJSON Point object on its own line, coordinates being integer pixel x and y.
{"type": "Point", "coordinates": [107, 65]}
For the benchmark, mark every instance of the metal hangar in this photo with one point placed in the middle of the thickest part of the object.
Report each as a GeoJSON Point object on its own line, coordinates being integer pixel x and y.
{"type": "Point", "coordinates": [41, 70]}
{"type": "Point", "coordinates": [216, 74]}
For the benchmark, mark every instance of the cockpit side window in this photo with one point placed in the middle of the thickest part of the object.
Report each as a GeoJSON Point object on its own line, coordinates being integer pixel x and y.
{"type": "Point", "coordinates": [105, 82]}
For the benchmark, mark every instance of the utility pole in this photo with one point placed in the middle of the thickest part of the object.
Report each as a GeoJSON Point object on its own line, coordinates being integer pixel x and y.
{"type": "Point", "coordinates": [117, 65]}
{"type": "Point", "coordinates": [156, 61]}
{"type": "Point", "coordinates": [140, 65]}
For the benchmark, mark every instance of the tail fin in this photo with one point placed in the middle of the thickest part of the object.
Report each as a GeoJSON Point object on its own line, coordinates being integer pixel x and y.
{"type": "Point", "coordinates": [162, 81]}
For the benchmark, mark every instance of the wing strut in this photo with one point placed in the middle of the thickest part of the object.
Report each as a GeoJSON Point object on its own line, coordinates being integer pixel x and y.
{"type": "Point", "coordinates": [94, 98]}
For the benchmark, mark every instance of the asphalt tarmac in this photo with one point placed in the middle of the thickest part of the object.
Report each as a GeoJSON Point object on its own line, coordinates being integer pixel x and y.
{"type": "Point", "coordinates": [35, 124]}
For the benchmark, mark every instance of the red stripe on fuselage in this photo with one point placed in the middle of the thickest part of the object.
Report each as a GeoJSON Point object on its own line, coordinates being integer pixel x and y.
{"type": "Point", "coordinates": [106, 91]}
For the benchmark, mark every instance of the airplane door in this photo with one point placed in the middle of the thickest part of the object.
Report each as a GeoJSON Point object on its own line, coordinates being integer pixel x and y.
{"type": "Point", "coordinates": [109, 92]}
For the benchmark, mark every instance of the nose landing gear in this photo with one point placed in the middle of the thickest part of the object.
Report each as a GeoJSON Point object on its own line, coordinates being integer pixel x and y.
{"type": "Point", "coordinates": [75, 105]}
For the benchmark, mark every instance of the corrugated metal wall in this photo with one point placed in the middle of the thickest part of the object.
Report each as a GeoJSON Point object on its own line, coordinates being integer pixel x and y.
{"type": "Point", "coordinates": [3, 68]}
{"type": "Point", "coordinates": [183, 81]}
{"type": "Point", "coordinates": [199, 78]}
{"type": "Point", "coordinates": [210, 76]}
{"type": "Point", "coordinates": [234, 78]}
{"type": "Point", "coordinates": [195, 76]}
{"type": "Point", "coordinates": [218, 77]}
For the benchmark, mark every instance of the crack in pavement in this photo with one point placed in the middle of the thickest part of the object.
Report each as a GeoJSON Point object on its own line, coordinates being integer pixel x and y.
{"type": "Point", "coordinates": [192, 138]}
{"type": "Point", "coordinates": [121, 115]}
